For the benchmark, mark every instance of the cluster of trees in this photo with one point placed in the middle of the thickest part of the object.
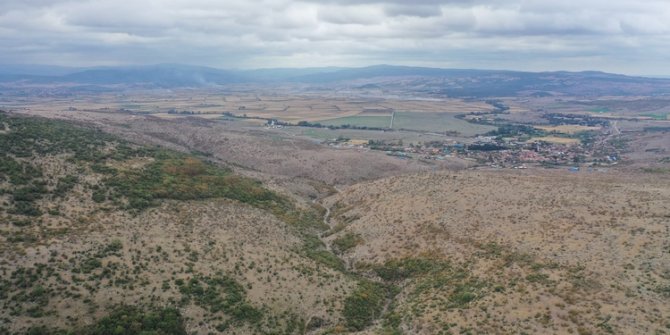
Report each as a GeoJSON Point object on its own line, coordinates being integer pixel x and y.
{"type": "Point", "coordinates": [220, 293]}
{"type": "Point", "coordinates": [514, 130]}
{"type": "Point", "coordinates": [128, 320]}
{"type": "Point", "coordinates": [576, 119]}
{"type": "Point", "coordinates": [181, 177]}
{"type": "Point", "coordinates": [344, 126]}
{"type": "Point", "coordinates": [499, 106]}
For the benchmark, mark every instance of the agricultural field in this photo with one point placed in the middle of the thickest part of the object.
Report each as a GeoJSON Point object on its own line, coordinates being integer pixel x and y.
{"type": "Point", "coordinates": [636, 107]}
{"type": "Point", "coordinates": [437, 122]}
{"type": "Point", "coordinates": [360, 121]}
{"type": "Point", "coordinates": [658, 116]}
{"type": "Point", "coordinates": [202, 103]}
{"type": "Point", "coordinates": [556, 139]}
{"type": "Point", "coordinates": [330, 134]}
{"type": "Point", "coordinates": [568, 129]}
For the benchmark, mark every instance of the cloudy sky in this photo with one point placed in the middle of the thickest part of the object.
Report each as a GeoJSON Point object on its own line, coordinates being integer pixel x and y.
{"type": "Point", "coordinates": [623, 36]}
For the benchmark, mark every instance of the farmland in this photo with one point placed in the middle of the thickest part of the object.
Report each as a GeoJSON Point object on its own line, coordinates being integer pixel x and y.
{"type": "Point", "coordinates": [437, 122]}
{"type": "Point", "coordinates": [555, 139]}
{"type": "Point", "coordinates": [289, 107]}
{"type": "Point", "coordinates": [360, 121]}
{"type": "Point", "coordinates": [568, 129]}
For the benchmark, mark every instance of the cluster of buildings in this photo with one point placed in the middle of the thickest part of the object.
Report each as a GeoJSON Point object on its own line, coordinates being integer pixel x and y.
{"type": "Point", "coordinates": [511, 154]}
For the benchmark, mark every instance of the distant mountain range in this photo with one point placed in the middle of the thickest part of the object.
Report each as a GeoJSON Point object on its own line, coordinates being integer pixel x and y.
{"type": "Point", "coordinates": [385, 78]}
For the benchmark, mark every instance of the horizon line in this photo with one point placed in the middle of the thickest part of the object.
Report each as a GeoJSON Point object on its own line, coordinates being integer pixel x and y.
{"type": "Point", "coordinates": [5, 66]}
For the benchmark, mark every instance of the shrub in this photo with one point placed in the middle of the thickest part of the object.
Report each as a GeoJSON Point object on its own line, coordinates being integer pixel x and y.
{"type": "Point", "coordinates": [401, 269]}
{"type": "Point", "coordinates": [347, 242]}
{"type": "Point", "coordinates": [220, 293]}
{"type": "Point", "coordinates": [364, 305]}
{"type": "Point", "coordinates": [127, 320]}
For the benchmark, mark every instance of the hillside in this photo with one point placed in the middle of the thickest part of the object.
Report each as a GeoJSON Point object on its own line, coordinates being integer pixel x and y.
{"type": "Point", "coordinates": [92, 225]}
{"type": "Point", "coordinates": [106, 232]}
{"type": "Point", "coordinates": [492, 252]}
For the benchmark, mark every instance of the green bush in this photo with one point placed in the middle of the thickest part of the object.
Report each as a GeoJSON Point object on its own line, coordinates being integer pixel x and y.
{"type": "Point", "coordinates": [130, 320]}
{"type": "Point", "coordinates": [364, 305]}
{"type": "Point", "coordinates": [99, 196]}
{"type": "Point", "coordinates": [220, 293]}
{"type": "Point", "coordinates": [181, 177]}
{"type": "Point", "coordinates": [401, 269]}
{"type": "Point", "coordinates": [347, 242]}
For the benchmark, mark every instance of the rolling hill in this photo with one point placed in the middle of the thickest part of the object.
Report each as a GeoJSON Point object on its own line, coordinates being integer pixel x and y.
{"type": "Point", "coordinates": [420, 80]}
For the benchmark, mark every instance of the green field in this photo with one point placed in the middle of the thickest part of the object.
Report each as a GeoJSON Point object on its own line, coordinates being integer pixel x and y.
{"type": "Point", "coordinates": [320, 133]}
{"type": "Point", "coordinates": [329, 134]}
{"type": "Point", "coordinates": [599, 110]}
{"type": "Point", "coordinates": [437, 122]}
{"type": "Point", "coordinates": [658, 116]}
{"type": "Point", "coordinates": [360, 121]}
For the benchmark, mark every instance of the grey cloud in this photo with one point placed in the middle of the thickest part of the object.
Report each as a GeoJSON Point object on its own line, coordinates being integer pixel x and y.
{"type": "Point", "coordinates": [365, 15]}
{"type": "Point", "coordinates": [413, 10]}
{"type": "Point", "coordinates": [596, 34]}
{"type": "Point", "coordinates": [396, 2]}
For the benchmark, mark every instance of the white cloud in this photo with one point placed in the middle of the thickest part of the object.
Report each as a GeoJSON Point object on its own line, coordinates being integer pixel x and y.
{"type": "Point", "coordinates": [616, 35]}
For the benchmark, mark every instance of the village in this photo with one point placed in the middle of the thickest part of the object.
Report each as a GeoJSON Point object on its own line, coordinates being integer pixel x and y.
{"type": "Point", "coordinates": [498, 152]}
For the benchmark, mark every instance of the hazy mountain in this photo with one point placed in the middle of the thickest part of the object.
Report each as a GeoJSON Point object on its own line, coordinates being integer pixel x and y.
{"type": "Point", "coordinates": [465, 82]}
{"type": "Point", "coordinates": [289, 74]}
{"type": "Point", "coordinates": [166, 75]}
{"type": "Point", "coordinates": [37, 70]}
{"type": "Point", "coordinates": [422, 80]}
{"type": "Point", "coordinates": [377, 71]}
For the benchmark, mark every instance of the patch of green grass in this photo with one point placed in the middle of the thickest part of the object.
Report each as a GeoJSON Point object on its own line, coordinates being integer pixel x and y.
{"type": "Point", "coordinates": [364, 305]}
{"type": "Point", "coordinates": [663, 290]}
{"type": "Point", "coordinates": [314, 249]}
{"type": "Point", "coordinates": [220, 293]}
{"type": "Point", "coordinates": [405, 268]}
{"type": "Point", "coordinates": [464, 293]}
{"type": "Point", "coordinates": [456, 283]}
{"type": "Point", "coordinates": [346, 242]}
{"type": "Point", "coordinates": [538, 278]}
{"type": "Point", "coordinates": [125, 320]}
{"type": "Point", "coordinates": [182, 177]}
{"type": "Point", "coordinates": [657, 116]}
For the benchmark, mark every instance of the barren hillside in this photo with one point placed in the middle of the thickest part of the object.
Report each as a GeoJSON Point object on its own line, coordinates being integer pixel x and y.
{"type": "Point", "coordinates": [93, 227]}
{"type": "Point", "coordinates": [491, 252]}
{"type": "Point", "coordinates": [255, 151]}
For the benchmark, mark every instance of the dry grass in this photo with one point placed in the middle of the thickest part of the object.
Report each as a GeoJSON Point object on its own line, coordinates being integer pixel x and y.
{"type": "Point", "coordinates": [545, 252]}
{"type": "Point", "coordinates": [154, 249]}
{"type": "Point", "coordinates": [568, 129]}
{"type": "Point", "coordinates": [555, 139]}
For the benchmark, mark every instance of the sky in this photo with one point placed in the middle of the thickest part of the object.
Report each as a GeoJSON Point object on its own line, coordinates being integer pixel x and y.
{"type": "Point", "coordinates": [620, 36]}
